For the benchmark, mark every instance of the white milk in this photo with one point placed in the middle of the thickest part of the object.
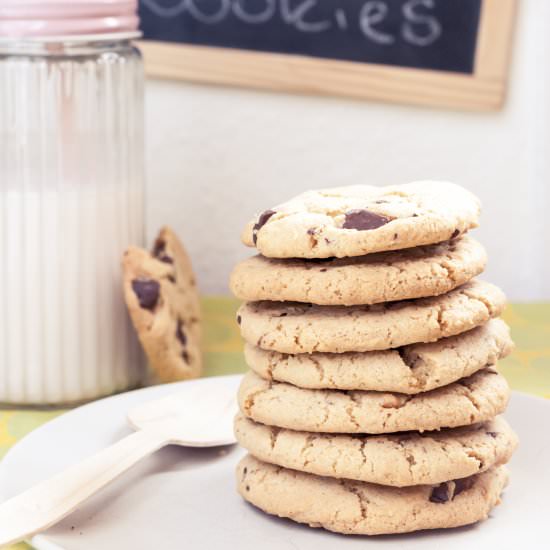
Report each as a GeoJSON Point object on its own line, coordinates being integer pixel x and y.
{"type": "Point", "coordinates": [71, 202]}
{"type": "Point", "coordinates": [64, 330]}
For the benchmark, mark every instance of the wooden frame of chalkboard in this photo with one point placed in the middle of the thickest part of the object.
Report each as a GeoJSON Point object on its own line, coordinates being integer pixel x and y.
{"type": "Point", "coordinates": [484, 88]}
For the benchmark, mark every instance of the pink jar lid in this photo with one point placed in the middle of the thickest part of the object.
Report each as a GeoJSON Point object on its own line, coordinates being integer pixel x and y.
{"type": "Point", "coordinates": [43, 18]}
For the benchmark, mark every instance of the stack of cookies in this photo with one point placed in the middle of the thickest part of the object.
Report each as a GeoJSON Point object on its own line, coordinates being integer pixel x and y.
{"type": "Point", "coordinates": [372, 404]}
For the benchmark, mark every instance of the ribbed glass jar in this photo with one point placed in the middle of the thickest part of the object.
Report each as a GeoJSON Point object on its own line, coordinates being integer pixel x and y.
{"type": "Point", "coordinates": [71, 201]}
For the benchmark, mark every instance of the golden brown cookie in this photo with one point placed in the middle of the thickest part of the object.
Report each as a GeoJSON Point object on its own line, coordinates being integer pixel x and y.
{"type": "Point", "coordinates": [290, 327]}
{"type": "Point", "coordinates": [410, 369]}
{"type": "Point", "coordinates": [384, 277]}
{"type": "Point", "coordinates": [359, 508]}
{"type": "Point", "coordinates": [399, 460]}
{"type": "Point", "coordinates": [478, 398]}
{"type": "Point", "coordinates": [360, 219]}
{"type": "Point", "coordinates": [162, 298]}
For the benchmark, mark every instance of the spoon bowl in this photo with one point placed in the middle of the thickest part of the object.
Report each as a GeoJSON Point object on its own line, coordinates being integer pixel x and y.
{"type": "Point", "coordinates": [191, 418]}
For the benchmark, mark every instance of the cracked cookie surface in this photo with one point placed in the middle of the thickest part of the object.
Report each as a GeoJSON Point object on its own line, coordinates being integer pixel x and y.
{"type": "Point", "coordinates": [361, 219]}
{"type": "Point", "coordinates": [398, 460]}
{"type": "Point", "coordinates": [356, 507]}
{"type": "Point", "coordinates": [383, 277]}
{"type": "Point", "coordinates": [289, 327]}
{"type": "Point", "coordinates": [478, 398]}
{"type": "Point", "coordinates": [410, 369]}
{"type": "Point", "coordinates": [163, 302]}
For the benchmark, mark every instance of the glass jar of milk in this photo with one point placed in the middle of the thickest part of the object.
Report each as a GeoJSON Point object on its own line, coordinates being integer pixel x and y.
{"type": "Point", "coordinates": [71, 197]}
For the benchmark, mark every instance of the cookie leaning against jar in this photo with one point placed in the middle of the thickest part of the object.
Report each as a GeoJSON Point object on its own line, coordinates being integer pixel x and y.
{"type": "Point", "coordinates": [162, 298]}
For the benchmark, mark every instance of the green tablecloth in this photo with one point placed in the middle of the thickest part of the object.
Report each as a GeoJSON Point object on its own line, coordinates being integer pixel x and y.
{"type": "Point", "coordinates": [527, 369]}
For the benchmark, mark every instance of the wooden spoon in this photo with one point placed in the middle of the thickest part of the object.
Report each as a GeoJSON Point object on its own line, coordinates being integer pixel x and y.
{"type": "Point", "coordinates": [195, 418]}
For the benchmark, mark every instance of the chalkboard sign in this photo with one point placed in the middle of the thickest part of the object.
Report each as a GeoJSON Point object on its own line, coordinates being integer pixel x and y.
{"type": "Point", "coordinates": [432, 52]}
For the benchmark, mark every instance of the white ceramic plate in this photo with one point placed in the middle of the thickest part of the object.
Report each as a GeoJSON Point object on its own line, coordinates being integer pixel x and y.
{"type": "Point", "coordinates": [185, 498]}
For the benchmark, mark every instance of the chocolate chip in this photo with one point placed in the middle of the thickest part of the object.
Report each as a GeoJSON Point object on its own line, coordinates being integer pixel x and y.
{"type": "Point", "coordinates": [159, 247]}
{"type": "Point", "coordinates": [455, 234]}
{"type": "Point", "coordinates": [147, 292]}
{"type": "Point", "coordinates": [248, 487]}
{"type": "Point", "coordinates": [172, 279]}
{"type": "Point", "coordinates": [440, 494]}
{"type": "Point", "coordinates": [239, 319]}
{"type": "Point", "coordinates": [158, 252]}
{"type": "Point", "coordinates": [262, 220]}
{"type": "Point", "coordinates": [364, 220]}
{"type": "Point", "coordinates": [311, 231]}
{"type": "Point", "coordinates": [463, 485]}
{"type": "Point", "coordinates": [492, 434]}
{"type": "Point", "coordinates": [165, 258]}
{"type": "Point", "coordinates": [324, 270]}
{"type": "Point", "coordinates": [180, 334]}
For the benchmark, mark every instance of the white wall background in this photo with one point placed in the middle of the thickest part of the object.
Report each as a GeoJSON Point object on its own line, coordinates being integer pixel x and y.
{"type": "Point", "coordinates": [216, 156]}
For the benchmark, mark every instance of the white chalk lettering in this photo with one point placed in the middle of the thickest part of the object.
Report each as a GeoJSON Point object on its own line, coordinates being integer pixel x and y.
{"type": "Point", "coordinates": [431, 27]}
{"type": "Point", "coordinates": [296, 16]}
{"type": "Point", "coordinates": [419, 27]}
{"type": "Point", "coordinates": [341, 18]}
{"type": "Point", "coordinates": [372, 13]}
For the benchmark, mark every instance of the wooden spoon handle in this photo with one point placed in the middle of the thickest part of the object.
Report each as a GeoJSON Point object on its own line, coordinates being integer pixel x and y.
{"type": "Point", "coordinates": [51, 500]}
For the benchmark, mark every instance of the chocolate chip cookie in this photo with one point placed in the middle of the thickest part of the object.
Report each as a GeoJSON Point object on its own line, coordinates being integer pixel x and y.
{"type": "Point", "coordinates": [359, 508]}
{"type": "Point", "coordinates": [384, 277]}
{"type": "Point", "coordinates": [163, 302]}
{"type": "Point", "coordinates": [290, 327]}
{"type": "Point", "coordinates": [361, 219]}
{"type": "Point", "coordinates": [398, 460]}
{"type": "Point", "coordinates": [410, 369]}
{"type": "Point", "coordinates": [478, 398]}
